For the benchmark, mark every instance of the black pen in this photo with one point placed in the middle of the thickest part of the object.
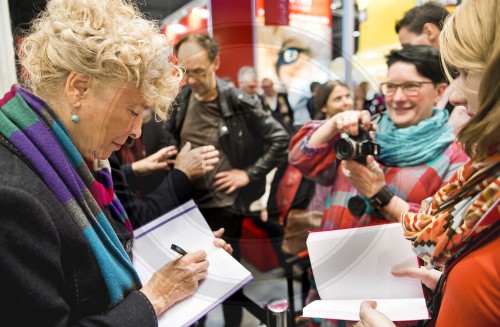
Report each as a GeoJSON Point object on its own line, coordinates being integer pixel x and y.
{"type": "Point", "coordinates": [178, 249]}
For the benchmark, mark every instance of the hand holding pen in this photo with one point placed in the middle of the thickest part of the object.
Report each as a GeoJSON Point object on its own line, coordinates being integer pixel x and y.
{"type": "Point", "coordinates": [176, 280]}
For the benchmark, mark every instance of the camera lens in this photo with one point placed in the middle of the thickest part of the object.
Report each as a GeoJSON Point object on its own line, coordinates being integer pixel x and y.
{"type": "Point", "coordinates": [344, 149]}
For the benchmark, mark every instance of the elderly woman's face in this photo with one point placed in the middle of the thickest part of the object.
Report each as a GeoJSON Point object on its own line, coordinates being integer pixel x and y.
{"type": "Point", "coordinates": [107, 119]}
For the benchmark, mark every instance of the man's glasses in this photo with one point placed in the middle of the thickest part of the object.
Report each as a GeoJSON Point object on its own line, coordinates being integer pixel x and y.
{"type": "Point", "coordinates": [195, 73]}
{"type": "Point", "coordinates": [408, 88]}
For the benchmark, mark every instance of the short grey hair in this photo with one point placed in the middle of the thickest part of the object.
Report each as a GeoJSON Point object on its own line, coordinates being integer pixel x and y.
{"type": "Point", "coordinates": [246, 73]}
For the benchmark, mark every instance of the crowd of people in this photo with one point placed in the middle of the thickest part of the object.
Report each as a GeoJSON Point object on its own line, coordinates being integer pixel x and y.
{"type": "Point", "coordinates": [108, 132]}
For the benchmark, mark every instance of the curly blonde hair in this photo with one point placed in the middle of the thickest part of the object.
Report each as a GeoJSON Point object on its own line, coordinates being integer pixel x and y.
{"type": "Point", "coordinates": [470, 42]}
{"type": "Point", "coordinates": [110, 40]}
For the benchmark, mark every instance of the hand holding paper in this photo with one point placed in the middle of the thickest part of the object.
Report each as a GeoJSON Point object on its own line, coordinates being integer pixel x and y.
{"type": "Point", "coordinates": [370, 317]}
{"type": "Point", "coordinates": [428, 277]}
{"type": "Point", "coordinates": [352, 265]}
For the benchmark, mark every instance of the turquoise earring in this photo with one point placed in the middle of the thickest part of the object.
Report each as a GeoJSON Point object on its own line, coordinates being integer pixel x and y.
{"type": "Point", "coordinates": [74, 117]}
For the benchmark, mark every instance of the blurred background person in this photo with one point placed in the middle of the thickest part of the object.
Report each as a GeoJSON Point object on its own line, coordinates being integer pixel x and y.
{"type": "Point", "coordinates": [310, 102]}
{"type": "Point", "coordinates": [421, 25]}
{"type": "Point", "coordinates": [276, 104]}
{"type": "Point", "coordinates": [250, 144]}
{"type": "Point", "coordinates": [229, 81]}
{"type": "Point", "coordinates": [332, 98]}
{"type": "Point", "coordinates": [248, 82]}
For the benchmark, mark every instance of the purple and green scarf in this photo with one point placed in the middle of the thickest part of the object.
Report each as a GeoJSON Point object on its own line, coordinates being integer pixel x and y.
{"type": "Point", "coordinates": [36, 131]}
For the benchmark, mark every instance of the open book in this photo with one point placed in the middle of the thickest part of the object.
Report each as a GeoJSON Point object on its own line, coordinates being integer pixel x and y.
{"type": "Point", "coordinates": [186, 228]}
{"type": "Point", "coordinates": [352, 265]}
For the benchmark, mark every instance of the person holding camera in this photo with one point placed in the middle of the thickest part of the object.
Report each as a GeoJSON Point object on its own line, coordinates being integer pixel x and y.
{"type": "Point", "coordinates": [457, 229]}
{"type": "Point", "coordinates": [412, 155]}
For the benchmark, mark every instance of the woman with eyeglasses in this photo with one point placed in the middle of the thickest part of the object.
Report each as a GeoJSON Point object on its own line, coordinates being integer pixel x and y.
{"type": "Point", "coordinates": [417, 156]}
{"type": "Point", "coordinates": [457, 229]}
{"type": "Point", "coordinates": [417, 150]}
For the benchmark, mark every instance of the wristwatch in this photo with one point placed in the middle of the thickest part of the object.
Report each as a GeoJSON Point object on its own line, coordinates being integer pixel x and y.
{"type": "Point", "coordinates": [381, 199]}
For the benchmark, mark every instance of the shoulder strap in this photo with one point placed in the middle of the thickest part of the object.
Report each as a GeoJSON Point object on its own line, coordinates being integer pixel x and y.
{"type": "Point", "coordinates": [287, 189]}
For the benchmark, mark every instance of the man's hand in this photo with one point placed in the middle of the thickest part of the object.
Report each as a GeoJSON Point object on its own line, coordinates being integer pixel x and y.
{"type": "Point", "coordinates": [231, 180]}
{"type": "Point", "coordinates": [157, 161]}
{"type": "Point", "coordinates": [196, 162]}
{"type": "Point", "coordinates": [220, 243]}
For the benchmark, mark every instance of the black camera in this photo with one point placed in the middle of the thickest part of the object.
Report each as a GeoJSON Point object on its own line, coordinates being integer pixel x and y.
{"type": "Point", "coordinates": [357, 147]}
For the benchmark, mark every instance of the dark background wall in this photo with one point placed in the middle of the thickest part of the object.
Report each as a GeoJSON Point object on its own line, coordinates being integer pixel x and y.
{"type": "Point", "coordinates": [23, 11]}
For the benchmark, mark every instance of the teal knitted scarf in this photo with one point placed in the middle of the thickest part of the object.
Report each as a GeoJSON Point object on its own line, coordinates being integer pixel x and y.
{"type": "Point", "coordinates": [35, 130]}
{"type": "Point", "coordinates": [414, 145]}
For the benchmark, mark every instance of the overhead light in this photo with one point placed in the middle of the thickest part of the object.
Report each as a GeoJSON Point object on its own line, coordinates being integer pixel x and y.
{"type": "Point", "coordinates": [201, 12]}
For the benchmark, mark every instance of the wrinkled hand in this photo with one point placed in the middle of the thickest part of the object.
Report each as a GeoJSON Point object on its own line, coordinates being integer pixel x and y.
{"type": "Point", "coordinates": [157, 161]}
{"type": "Point", "coordinates": [231, 180]}
{"type": "Point", "coordinates": [348, 121]}
{"type": "Point", "coordinates": [220, 243]}
{"type": "Point", "coordinates": [176, 280]}
{"type": "Point", "coordinates": [196, 162]}
{"type": "Point", "coordinates": [370, 317]}
{"type": "Point", "coordinates": [368, 180]}
{"type": "Point", "coordinates": [428, 277]}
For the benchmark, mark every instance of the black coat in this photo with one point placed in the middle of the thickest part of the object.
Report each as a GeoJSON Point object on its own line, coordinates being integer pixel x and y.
{"type": "Point", "coordinates": [252, 140]}
{"type": "Point", "coordinates": [173, 189]}
{"type": "Point", "coordinates": [49, 275]}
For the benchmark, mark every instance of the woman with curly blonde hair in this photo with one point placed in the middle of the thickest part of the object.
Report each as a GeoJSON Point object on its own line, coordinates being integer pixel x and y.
{"type": "Point", "coordinates": [93, 67]}
{"type": "Point", "coordinates": [457, 229]}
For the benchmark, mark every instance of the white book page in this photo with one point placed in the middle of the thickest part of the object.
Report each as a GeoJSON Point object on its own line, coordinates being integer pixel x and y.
{"type": "Point", "coordinates": [356, 263]}
{"type": "Point", "coordinates": [394, 309]}
{"type": "Point", "coordinates": [186, 227]}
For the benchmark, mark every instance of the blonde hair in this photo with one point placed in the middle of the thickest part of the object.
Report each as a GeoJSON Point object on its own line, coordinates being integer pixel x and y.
{"type": "Point", "coordinates": [109, 40]}
{"type": "Point", "coordinates": [470, 41]}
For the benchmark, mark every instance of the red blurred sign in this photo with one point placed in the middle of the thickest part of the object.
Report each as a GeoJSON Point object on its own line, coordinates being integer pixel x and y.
{"type": "Point", "coordinates": [282, 12]}
{"type": "Point", "coordinates": [276, 12]}
{"type": "Point", "coordinates": [195, 20]}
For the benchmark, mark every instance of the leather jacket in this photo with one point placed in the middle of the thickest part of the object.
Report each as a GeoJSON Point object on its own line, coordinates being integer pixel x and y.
{"type": "Point", "coordinates": [252, 140]}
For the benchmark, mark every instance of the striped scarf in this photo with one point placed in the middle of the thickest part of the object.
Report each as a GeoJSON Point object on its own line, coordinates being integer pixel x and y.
{"type": "Point", "coordinates": [437, 234]}
{"type": "Point", "coordinates": [35, 130]}
{"type": "Point", "coordinates": [413, 145]}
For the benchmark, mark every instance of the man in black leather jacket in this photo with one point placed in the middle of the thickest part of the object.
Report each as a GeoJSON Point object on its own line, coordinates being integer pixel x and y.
{"type": "Point", "coordinates": [207, 111]}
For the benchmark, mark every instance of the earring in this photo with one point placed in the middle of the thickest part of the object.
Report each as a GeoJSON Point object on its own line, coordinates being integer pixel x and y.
{"type": "Point", "coordinates": [74, 117]}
